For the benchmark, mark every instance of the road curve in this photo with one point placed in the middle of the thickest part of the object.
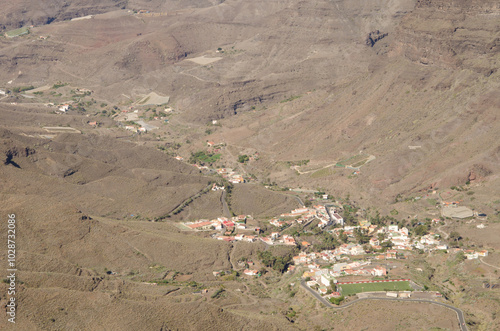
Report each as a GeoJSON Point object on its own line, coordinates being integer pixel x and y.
{"type": "Point", "coordinates": [460, 314]}
{"type": "Point", "coordinates": [489, 264]}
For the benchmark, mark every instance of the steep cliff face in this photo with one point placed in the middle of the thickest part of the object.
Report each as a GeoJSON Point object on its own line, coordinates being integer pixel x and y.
{"type": "Point", "coordinates": [16, 14]}
{"type": "Point", "coordinates": [459, 34]}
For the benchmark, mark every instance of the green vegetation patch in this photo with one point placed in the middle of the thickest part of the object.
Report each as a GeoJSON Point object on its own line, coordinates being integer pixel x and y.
{"type": "Point", "coordinates": [22, 88]}
{"type": "Point", "coordinates": [293, 97]}
{"type": "Point", "coordinates": [243, 158]}
{"type": "Point", "coordinates": [17, 32]}
{"type": "Point", "coordinates": [337, 301]}
{"type": "Point", "coordinates": [297, 163]}
{"type": "Point", "coordinates": [58, 85]}
{"type": "Point", "coordinates": [351, 289]}
{"type": "Point", "coordinates": [321, 173]}
{"type": "Point", "coordinates": [203, 157]}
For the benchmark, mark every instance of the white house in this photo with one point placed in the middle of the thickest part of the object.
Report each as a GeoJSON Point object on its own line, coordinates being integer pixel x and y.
{"type": "Point", "coordinates": [249, 272]}
{"type": "Point", "coordinates": [326, 278]}
{"type": "Point", "coordinates": [337, 219]}
{"type": "Point", "coordinates": [392, 228]}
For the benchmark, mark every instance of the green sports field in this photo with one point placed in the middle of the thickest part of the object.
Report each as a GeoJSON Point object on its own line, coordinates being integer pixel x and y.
{"type": "Point", "coordinates": [351, 289]}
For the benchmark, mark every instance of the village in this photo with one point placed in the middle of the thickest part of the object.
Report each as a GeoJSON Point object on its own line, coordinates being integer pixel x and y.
{"type": "Point", "coordinates": [365, 254]}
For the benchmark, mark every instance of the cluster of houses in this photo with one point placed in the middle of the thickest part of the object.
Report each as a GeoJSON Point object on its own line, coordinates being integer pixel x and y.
{"type": "Point", "coordinates": [472, 255]}
{"type": "Point", "coordinates": [221, 223]}
{"type": "Point", "coordinates": [357, 268]}
{"type": "Point", "coordinates": [133, 115]}
{"type": "Point", "coordinates": [63, 108]}
{"type": "Point", "coordinates": [248, 272]}
{"type": "Point", "coordinates": [305, 215]}
{"type": "Point", "coordinates": [399, 237]}
{"type": "Point", "coordinates": [135, 129]}
{"type": "Point", "coordinates": [341, 256]}
{"type": "Point", "coordinates": [231, 175]}
{"type": "Point", "coordinates": [274, 239]}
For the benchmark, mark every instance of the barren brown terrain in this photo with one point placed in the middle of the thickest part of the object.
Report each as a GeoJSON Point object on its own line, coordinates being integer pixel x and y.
{"type": "Point", "coordinates": [392, 105]}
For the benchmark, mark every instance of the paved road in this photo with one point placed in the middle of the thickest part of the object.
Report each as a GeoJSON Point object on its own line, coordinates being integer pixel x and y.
{"type": "Point", "coordinates": [299, 200]}
{"type": "Point", "coordinates": [460, 314]}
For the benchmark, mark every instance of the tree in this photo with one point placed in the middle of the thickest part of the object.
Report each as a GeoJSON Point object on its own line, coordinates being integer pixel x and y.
{"type": "Point", "coordinates": [361, 237]}
{"type": "Point", "coordinates": [337, 301]}
{"type": "Point", "coordinates": [329, 242]}
{"type": "Point", "coordinates": [278, 263]}
{"type": "Point", "coordinates": [349, 214]}
{"type": "Point", "coordinates": [386, 244]}
{"type": "Point", "coordinates": [381, 237]}
{"type": "Point", "coordinates": [243, 158]}
{"type": "Point", "coordinates": [421, 230]}
{"type": "Point", "coordinates": [342, 236]}
{"type": "Point", "coordinates": [455, 236]}
{"type": "Point", "coordinates": [376, 219]}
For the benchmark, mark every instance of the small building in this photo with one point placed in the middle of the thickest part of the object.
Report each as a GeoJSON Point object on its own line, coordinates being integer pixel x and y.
{"type": "Point", "coordinates": [337, 219]}
{"type": "Point", "coordinates": [471, 255]}
{"type": "Point", "coordinates": [378, 271]}
{"type": "Point", "coordinates": [202, 225]}
{"type": "Point", "coordinates": [312, 283]}
{"type": "Point", "coordinates": [322, 290]}
{"type": "Point", "coordinates": [405, 294]}
{"type": "Point", "coordinates": [64, 108]}
{"type": "Point", "coordinates": [483, 253]}
{"type": "Point", "coordinates": [392, 228]}
{"type": "Point", "coordinates": [326, 278]}
{"type": "Point", "coordinates": [249, 272]}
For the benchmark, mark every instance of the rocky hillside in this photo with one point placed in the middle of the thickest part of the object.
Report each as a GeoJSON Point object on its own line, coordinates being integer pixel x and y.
{"type": "Point", "coordinates": [459, 34]}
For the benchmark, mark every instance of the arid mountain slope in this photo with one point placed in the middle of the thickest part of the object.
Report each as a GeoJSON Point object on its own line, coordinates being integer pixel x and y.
{"type": "Point", "coordinates": [410, 86]}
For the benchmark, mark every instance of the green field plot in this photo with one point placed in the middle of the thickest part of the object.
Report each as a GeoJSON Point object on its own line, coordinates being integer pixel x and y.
{"type": "Point", "coordinates": [17, 32]}
{"type": "Point", "coordinates": [351, 289]}
{"type": "Point", "coordinates": [322, 173]}
{"type": "Point", "coordinates": [202, 157]}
